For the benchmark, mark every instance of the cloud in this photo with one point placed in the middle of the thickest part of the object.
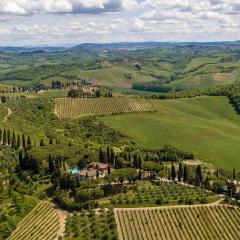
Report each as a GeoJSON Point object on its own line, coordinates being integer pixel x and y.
{"type": "Point", "coordinates": [133, 20]}
{"type": "Point", "coordinates": [25, 7]}
{"type": "Point", "coordinates": [4, 31]}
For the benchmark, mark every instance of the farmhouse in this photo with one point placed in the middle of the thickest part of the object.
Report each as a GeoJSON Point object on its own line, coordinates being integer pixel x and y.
{"type": "Point", "coordinates": [88, 173]}
{"type": "Point", "coordinates": [94, 170]}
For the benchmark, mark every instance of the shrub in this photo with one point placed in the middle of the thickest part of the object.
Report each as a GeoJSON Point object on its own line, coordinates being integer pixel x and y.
{"type": "Point", "coordinates": [203, 200]}
{"type": "Point", "coordinates": [159, 201]}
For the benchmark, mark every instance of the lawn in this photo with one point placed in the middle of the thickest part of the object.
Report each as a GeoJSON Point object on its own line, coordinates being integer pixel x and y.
{"type": "Point", "coordinates": [208, 126]}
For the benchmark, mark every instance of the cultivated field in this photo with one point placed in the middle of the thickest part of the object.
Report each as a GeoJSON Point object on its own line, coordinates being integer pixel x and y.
{"type": "Point", "coordinates": [208, 126]}
{"type": "Point", "coordinates": [74, 108]}
{"type": "Point", "coordinates": [91, 225]}
{"type": "Point", "coordinates": [41, 223]}
{"type": "Point", "coordinates": [179, 223]}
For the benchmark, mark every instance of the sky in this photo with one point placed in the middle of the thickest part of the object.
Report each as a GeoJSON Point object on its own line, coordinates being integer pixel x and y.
{"type": "Point", "coordinates": [70, 22]}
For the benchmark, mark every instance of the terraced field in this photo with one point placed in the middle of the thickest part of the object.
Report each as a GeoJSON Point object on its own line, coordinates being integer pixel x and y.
{"type": "Point", "coordinates": [41, 223]}
{"type": "Point", "coordinates": [74, 108]}
{"type": "Point", "coordinates": [179, 223]}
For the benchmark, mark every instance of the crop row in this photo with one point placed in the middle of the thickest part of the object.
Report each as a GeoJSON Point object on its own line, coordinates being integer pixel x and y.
{"type": "Point", "coordinates": [179, 223]}
{"type": "Point", "coordinates": [89, 225]}
{"type": "Point", "coordinates": [73, 108]}
{"type": "Point", "coordinates": [29, 104]}
{"type": "Point", "coordinates": [41, 223]}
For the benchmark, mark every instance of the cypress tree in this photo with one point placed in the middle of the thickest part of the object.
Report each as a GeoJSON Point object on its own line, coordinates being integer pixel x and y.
{"type": "Point", "coordinates": [13, 139]}
{"type": "Point", "coordinates": [129, 157]}
{"type": "Point", "coordinates": [97, 171]}
{"type": "Point", "coordinates": [20, 157]}
{"type": "Point", "coordinates": [51, 166]}
{"type": "Point", "coordinates": [206, 183]}
{"type": "Point", "coordinates": [105, 157]}
{"type": "Point", "coordinates": [26, 162]}
{"type": "Point", "coordinates": [8, 137]}
{"type": "Point", "coordinates": [173, 172]}
{"type": "Point", "coordinates": [112, 156]}
{"type": "Point", "coordinates": [109, 170]}
{"type": "Point", "coordinates": [147, 157]}
{"type": "Point", "coordinates": [4, 137]}
{"type": "Point", "coordinates": [18, 141]}
{"type": "Point", "coordinates": [29, 141]}
{"type": "Point", "coordinates": [101, 158]}
{"type": "Point", "coordinates": [169, 174]}
{"type": "Point", "coordinates": [185, 173]}
{"type": "Point", "coordinates": [41, 143]}
{"type": "Point", "coordinates": [108, 155]}
{"type": "Point", "coordinates": [180, 172]}
{"type": "Point", "coordinates": [198, 179]}
{"type": "Point", "coordinates": [23, 141]}
{"type": "Point", "coordinates": [135, 161]}
{"type": "Point", "coordinates": [36, 165]}
{"type": "Point", "coordinates": [1, 133]}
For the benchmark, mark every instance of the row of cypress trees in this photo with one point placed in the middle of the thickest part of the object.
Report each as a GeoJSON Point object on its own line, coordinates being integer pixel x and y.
{"type": "Point", "coordinates": [16, 141]}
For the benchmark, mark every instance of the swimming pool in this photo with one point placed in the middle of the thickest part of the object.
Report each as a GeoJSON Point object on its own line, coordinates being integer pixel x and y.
{"type": "Point", "coordinates": [75, 170]}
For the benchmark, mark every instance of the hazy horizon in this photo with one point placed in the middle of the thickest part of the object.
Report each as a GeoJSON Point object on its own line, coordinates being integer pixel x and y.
{"type": "Point", "coordinates": [72, 22]}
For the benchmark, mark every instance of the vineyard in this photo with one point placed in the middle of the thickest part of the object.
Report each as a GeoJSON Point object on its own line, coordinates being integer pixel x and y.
{"type": "Point", "coordinates": [41, 223]}
{"type": "Point", "coordinates": [3, 113]}
{"type": "Point", "coordinates": [179, 223]}
{"type": "Point", "coordinates": [4, 88]}
{"type": "Point", "coordinates": [29, 104]}
{"type": "Point", "coordinates": [91, 225]}
{"type": "Point", "coordinates": [74, 108]}
{"type": "Point", "coordinates": [32, 109]}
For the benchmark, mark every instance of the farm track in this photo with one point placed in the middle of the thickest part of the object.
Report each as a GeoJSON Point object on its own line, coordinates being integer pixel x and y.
{"type": "Point", "coordinates": [202, 222]}
{"type": "Point", "coordinates": [8, 114]}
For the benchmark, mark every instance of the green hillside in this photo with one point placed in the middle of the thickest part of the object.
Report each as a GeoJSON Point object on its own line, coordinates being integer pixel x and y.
{"type": "Point", "coordinates": [208, 72]}
{"type": "Point", "coordinates": [112, 76]}
{"type": "Point", "coordinates": [206, 125]}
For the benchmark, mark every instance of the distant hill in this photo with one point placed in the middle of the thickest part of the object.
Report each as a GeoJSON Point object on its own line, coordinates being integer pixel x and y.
{"type": "Point", "coordinates": [117, 46]}
{"type": "Point", "coordinates": [31, 49]}
{"type": "Point", "coordinates": [142, 45]}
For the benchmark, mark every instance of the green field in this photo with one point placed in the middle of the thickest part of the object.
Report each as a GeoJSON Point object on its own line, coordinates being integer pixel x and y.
{"type": "Point", "coordinates": [111, 76]}
{"type": "Point", "coordinates": [206, 80]}
{"type": "Point", "coordinates": [208, 126]}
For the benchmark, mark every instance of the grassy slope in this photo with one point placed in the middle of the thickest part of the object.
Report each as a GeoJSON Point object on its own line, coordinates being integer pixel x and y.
{"type": "Point", "coordinates": [205, 80]}
{"type": "Point", "coordinates": [208, 72]}
{"type": "Point", "coordinates": [207, 125]}
{"type": "Point", "coordinates": [112, 76]}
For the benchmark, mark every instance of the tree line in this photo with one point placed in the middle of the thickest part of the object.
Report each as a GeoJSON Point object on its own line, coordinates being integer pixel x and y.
{"type": "Point", "coordinates": [152, 86]}
{"type": "Point", "coordinates": [231, 91]}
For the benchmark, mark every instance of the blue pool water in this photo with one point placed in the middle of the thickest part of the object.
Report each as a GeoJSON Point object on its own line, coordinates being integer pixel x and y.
{"type": "Point", "coordinates": [75, 170]}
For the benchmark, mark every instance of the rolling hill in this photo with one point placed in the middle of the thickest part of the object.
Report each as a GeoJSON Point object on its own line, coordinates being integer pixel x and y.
{"type": "Point", "coordinates": [208, 126]}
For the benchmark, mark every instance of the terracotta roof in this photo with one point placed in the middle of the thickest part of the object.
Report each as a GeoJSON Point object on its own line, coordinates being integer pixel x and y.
{"type": "Point", "coordinates": [100, 165]}
{"type": "Point", "coordinates": [91, 173]}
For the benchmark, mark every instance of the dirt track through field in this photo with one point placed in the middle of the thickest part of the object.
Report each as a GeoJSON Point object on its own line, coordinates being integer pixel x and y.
{"type": "Point", "coordinates": [9, 113]}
